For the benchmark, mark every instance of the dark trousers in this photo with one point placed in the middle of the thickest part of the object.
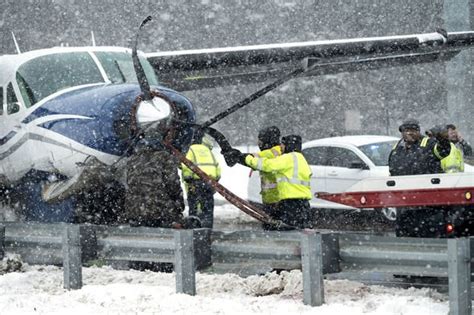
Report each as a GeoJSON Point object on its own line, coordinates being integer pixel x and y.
{"type": "Point", "coordinates": [201, 202]}
{"type": "Point", "coordinates": [271, 210]}
{"type": "Point", "coordinates": [294, 212]}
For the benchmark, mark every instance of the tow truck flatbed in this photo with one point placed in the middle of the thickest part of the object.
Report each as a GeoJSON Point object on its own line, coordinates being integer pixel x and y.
{"type": "Point", "coordinates": [407, 191]}
{"type": "Point", "coordinates": [433, 205]}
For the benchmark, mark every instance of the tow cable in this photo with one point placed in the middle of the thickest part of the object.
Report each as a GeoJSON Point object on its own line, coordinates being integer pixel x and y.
{"type": "Point", "coordinates": [240, 203]}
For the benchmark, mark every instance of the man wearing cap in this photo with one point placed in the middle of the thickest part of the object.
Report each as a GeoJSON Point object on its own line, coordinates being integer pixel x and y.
{"type": "Point", "coordinates": [269, 145]}
{"type": "Point", "coordinates": [461, 144]}
{"type": "Point", "coordinates": [414, 154]}
{"type": "Point", "coordinates": [293, 175]}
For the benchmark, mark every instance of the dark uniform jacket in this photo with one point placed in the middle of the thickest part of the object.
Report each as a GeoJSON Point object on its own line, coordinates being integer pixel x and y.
{"type": "Point", "coordinates": [420, 158]}
{"type": "Point", "coordinates": [154, 196]}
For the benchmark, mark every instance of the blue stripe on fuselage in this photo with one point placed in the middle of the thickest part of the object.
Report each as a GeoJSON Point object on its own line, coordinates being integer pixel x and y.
{"type": "Point", "coordinates": [88, 101]}
{"type": "Point", "coordinates": [106, 106]}
{"type": "Point", "coordinates": [102, 104]}
{"type": "Point", "coordinates": [7, 137]}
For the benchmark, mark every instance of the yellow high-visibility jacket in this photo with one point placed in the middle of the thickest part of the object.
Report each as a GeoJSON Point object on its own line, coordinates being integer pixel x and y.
{"type": "Point", "coordinates": [268, 181]}
{"type": "Point", "coordinates": [202, 156]}
{"type": "Point", "coordinates": [292, 173]}
{"type": "Point", "coordinates": [454, 162]}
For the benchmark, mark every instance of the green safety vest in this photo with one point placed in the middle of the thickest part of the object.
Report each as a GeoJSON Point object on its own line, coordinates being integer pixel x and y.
{"type": "Point", "coordinates": [268, 181]}
{"type": "Point", "coordinates": [454, 162]}
{"type": "Point", "coordinates": [202, 156]}
{"type": "Point", "coordinates": [292, 172]}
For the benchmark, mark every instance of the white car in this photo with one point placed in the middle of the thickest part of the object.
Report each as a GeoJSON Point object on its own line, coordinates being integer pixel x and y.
{"type": "Point", "coordinates": [338, 163]}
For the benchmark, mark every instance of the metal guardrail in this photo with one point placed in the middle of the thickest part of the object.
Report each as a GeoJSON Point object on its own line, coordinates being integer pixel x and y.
{"type": "Point", "coordinates": [316, 254]}
{"type": "Point", "coordinates": [70, 245]}
{"type": "Point", "coordinates": [406, 256]}
{"type": "Point", "coordinates": [451, 258]}
{"type": "Point", "coordinates": [267, 250]}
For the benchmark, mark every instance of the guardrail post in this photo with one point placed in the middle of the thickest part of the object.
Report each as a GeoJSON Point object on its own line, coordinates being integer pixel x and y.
{"type": "Point", "coordinates": [184, 262]}
{"type": "Point", "coordinates": [312, 268]}
{"type": "Point", "coordinates": [2, 241]}
{"type": "Point", "coordinates": [72, 262]}
{"type": "Point", "coordinates": [459, 272]}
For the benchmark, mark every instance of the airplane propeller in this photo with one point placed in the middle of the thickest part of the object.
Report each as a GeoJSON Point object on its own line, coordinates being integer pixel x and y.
{"type": "Point", "coordinates": [151, 110]}
{"type": "Point", "coordinates": [141, 76]}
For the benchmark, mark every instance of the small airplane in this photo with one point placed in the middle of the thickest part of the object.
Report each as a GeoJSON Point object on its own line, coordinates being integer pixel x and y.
{"type": "Point", "coordinates": [68, 114]}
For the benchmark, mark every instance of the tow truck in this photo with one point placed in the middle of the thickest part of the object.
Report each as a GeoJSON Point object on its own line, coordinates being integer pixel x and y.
{"type": "Point", "coordinates": [432, 205]}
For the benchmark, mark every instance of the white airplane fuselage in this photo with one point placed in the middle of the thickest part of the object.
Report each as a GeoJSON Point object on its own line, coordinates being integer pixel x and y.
{"type": "Point", "coordinates": [62, 107]}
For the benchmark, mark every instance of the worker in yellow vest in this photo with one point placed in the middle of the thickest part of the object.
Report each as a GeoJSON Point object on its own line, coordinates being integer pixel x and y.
{"type": "Point", "coordinates": [292, 174]}
{"type": "Point", "coordinates": [269, 145]}
{"type": "Point", "coordinates": [455, 137]}
{"type": "Point", "coordinates": [200, 194]}
{"type": "Point", "coordinates": [454, 162]}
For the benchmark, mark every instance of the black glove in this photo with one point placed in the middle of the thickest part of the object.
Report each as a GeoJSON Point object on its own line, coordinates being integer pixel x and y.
{"type": "Point", "coordinates": [232, 156]}
{"type": "Point", "coordinates": [241, 158]}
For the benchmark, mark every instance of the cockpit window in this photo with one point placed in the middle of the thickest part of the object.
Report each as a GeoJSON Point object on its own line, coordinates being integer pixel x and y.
{"type": "Point", "coordinates": [12, 102]}
{"type": "Point", "coordinates": [119, 67]}
{"type": "Point", "coordinates": [45, 75]}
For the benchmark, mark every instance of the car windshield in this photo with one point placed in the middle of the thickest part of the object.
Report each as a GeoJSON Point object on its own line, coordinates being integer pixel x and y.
{"type": "Point", "coordinates": [45, 75]}
{"type": "Point", "coordinates": [378, 152]}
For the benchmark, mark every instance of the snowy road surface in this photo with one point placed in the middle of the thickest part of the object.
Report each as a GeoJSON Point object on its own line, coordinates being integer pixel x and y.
{"type": "Point", "coordinates": [39, 290]}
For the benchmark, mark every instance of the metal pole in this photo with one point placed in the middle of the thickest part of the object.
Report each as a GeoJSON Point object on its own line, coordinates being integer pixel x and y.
{"type": "Point", "coordinates": [458, 16]}
{"type": "Point", "coordinates": [72, 262]}
{"type": "Point", "coordinates": [184, 262]}
{"type": "Point", "coordinates": [459, 272]}
{"type": "Point", "coordinates": [312, 268]}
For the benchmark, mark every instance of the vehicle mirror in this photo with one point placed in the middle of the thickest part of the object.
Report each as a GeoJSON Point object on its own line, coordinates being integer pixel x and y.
{"type": "Point", "coordinates": [359, 165]}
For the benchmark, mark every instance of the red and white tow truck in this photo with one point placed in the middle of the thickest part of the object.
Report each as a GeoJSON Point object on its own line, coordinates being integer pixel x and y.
{"type": "Point", "coordinates": [440, 204]}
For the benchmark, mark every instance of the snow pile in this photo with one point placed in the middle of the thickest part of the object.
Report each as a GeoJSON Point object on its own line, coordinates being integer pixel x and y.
{"type": "Point", "coordinates": [39, 290]}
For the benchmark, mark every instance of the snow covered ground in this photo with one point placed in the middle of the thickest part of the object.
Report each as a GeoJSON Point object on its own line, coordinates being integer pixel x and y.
{"type": "Point", "coordinates": [39, 289]}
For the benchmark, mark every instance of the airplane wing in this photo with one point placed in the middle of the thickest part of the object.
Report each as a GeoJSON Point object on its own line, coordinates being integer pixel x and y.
{"type": "Point", "coordinates": [207, 68]}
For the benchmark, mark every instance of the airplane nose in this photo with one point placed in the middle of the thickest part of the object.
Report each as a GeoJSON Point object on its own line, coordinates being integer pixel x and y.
{"type": "Point", "coordinates": [151, 111]}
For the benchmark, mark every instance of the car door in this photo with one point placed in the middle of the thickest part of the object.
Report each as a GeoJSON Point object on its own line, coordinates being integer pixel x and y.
{"type": "Point", "coordinates": [317, 160]}
{"type": "Point", "coordinates": [344, 169]}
